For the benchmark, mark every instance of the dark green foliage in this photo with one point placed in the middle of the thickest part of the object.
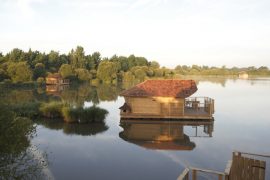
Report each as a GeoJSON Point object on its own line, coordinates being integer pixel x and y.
{"type": "Point", "coordinates": [52, 109]}
{"type": "Point", "coordinates": [19, 72]}
{"type": "Point", "coordinates": [84, 115]}
{"type": "Point", "coordinates": [107, 71]}
{"type": "Point", "coordinates": [66, 71]}
{"type": "Point", "coordinates": [19, 66]}
{"type": "Point", "coordinates": [26, 109]}
{"type": "Point", "coordinates": [16, 152]}
{"type": "Point", "coordinates": [82, 74]}
{"type": "Point", "coordinates": [39, 71]}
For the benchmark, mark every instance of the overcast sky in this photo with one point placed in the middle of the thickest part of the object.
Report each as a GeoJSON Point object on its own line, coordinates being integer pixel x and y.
{"type": "Point", "coordinates": [203, 32]}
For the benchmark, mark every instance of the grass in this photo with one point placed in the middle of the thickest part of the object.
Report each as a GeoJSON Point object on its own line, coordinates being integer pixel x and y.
{"type": "Point", "coordinates": [84, 115]}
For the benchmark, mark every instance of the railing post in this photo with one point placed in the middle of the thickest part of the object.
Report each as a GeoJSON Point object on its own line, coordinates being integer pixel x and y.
{"type": "Point", "coordinates": [194, 174]}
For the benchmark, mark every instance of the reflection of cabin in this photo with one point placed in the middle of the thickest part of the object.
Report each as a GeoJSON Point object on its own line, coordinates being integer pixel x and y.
{"type": "Point", "coordinates": [165, 135]}
{"type": "Point", "coordinates": [56, 79]}
{"type": "Point", "coordinates": [166, 99]}
{"type": "Point", "coordinates": [243, 75]}
{"type": "Point", "coordinates": [56, 89]}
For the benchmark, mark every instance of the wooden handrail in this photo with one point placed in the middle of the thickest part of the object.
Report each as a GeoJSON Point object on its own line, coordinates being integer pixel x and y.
{"type": "Point", "coordinates": [254, 154]}
{"type": "Point", "coordinates": [208, 171]}
{"type": "Point", "coordinates": [184, 175]}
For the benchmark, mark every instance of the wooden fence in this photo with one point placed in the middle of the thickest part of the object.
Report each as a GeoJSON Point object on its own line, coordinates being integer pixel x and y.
{"type": "Point", "coordinates": [241, 167]}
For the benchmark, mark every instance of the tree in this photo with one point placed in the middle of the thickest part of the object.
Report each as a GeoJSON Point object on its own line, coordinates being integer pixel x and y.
{"type": "Point", "coordinates": [82, 74]}
{"type": "Point", "coordinates": [158, 72]}
{"type": "Point", "coordinates": [140, 74]}
{"type": "Point", "coordinates": [77, 58]}
{"type": "Point", "coordinates": [39, 71]}
{"type": "Point", "coordinates": [107, 71]}
{"type": "Point", "coordinates": [66, 71]}
{"type": "Point", "coordinates": [141, 61]}
{"type": "Point", "coordinates": [16, 55]}
{"type": "Point", "coordinates": [96, 57]}
{"type": "Point", "coordinates": [19, 72]}
{"type": "Point", "coordinates": [154, 64]}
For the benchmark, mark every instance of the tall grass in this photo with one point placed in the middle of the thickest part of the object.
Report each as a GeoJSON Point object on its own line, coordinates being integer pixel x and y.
{"type": "Point", "coordinates": [84, 115]}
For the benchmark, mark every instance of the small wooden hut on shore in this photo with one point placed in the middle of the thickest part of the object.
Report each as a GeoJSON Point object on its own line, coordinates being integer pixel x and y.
{"type": "Point", "coordinates": [243, 75]}
{"type": "Point", "coordinates": [56, 79]}
{"type": "Point", "coordinates": [166, 99]}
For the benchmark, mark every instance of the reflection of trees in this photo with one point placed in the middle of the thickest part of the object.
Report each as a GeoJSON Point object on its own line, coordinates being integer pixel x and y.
{"type": "Point", "coordinates": [107, 92]}
{"type": "Point", "coordinates": [216, 80]}
{"type": "Point", "coordinates": [74, 128]}
{"type": "Point", "coordinates": [19, 159]}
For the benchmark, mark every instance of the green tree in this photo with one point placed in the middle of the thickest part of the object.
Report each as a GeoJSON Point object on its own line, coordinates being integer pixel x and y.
{"type": "Point", "coordinates": [140, 74]}
{"type": "Point", "coordinates": [39, 71]}
{"type": "Point", "coordinates": [19, 72]}
{"type": "Point", "coordinates": [107, 71]}
{"type": "Point", "coordinates": [66, 71]}
{"type": "Point", "coordinates": [154, 64]}
{"type": "Point", "coordinates": [158, 72]}
{"type": "Point", "coordinates": [82, 74]}
{"type": "Point", "coordinates": [77, 58]}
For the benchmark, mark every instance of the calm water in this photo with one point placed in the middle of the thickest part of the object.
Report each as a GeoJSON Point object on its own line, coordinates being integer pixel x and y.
{"type": "Point", "coordinates": [102, 151]}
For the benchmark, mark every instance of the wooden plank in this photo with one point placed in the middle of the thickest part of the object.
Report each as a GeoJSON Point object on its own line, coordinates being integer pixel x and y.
{"type": "Point", "coordinates": [262, 170]}
{"type": "Point", "coordinates": [251, 170]}
{"type": "Point", "coordinates": [255, 154]}
{"type": "Point", "coordinates": [256, 167]}
{"type": "Point", "coordinates": [245, 175]}
{"type": "Point", "coordinates": [241, 167]}
{"type": "Point", "coordinates": [207, 171]}
{"type": "Point", "coordinates": [220, 177]}
{"type": "Point", "coordinates": [184, 175]}
{"type": "Point", "coordinates": [228, 167]}
{"type": "Point", "coordinates": [194, 174]}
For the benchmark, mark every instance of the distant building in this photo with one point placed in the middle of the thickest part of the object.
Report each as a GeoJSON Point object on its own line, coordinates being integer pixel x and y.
{"type": "Point", "coordinates": [56, 79]}
{"type": "Point", "coordinates": [166, 99]}
{"type": "Point", "coordinates": [243, 75]}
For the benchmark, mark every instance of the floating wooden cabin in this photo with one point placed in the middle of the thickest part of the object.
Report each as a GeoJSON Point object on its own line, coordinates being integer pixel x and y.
{"type": "Point", "coordinates": [162, 135]}
{"type": "Point", "coordinates": [56, 79]}
{"type": "Point", "coordinates": [166, 99]}
{"type": "Point", "coordinates": [243, 75]}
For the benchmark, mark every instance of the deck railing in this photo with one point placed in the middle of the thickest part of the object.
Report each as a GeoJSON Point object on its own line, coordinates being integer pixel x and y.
{"type": "Point", "coordinates": [195, 105]}
{"type": "Point", "coordinates": [240, 167]}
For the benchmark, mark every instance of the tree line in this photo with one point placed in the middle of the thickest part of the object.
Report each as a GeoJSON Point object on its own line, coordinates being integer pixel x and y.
{"type": "Point", "coordinates": [20, 66]}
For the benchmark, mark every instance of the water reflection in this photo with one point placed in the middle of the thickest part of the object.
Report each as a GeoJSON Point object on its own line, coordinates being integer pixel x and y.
{"type": "Point", "coordinates": [74, 128]}
{"type": "Point", "coordinates": [163, 135]}
{"type": "Point", "coordinates": [19, 159]}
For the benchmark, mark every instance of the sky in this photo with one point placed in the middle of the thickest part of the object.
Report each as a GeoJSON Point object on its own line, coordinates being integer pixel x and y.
{"type": "Point", "coordinates": [172, 32]}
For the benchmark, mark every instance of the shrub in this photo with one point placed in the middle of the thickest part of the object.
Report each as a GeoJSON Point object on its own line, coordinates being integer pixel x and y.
{"type": "Point", "coordinates": [52, 109]}
{"type": "Point", "coordinates": [29, 110]}
{"type": "Point", "coordinates": [69, 114]}
{"type": "Point", "coordinates": [84, 115]}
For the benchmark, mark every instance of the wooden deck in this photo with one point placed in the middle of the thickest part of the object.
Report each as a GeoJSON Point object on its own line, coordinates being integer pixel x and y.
{"type": "Point", "coordinates": [241, 167]}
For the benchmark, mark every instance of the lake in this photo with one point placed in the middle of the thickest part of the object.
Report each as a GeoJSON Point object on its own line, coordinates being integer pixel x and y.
{"type": "Point", "coordinates": [106, 151]}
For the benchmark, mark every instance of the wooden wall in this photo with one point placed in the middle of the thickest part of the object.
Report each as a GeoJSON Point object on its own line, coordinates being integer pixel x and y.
{"type": "Point", "coordinates": [163, 106]}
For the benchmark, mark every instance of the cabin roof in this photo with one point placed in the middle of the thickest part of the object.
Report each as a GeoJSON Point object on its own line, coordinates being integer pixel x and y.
{"type": "Point", "coordinates": [54, 75]}
{"type": "Point", "coordinates": [163, 88]}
